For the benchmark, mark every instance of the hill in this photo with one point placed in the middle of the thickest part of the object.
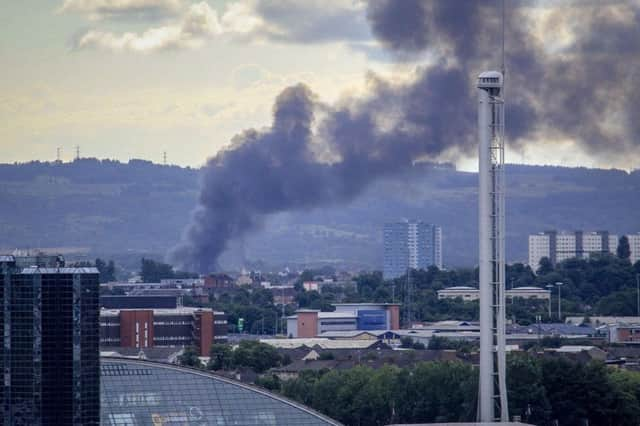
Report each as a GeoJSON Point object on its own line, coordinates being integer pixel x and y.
{"type": "Point", "coordinates": [107, 207]}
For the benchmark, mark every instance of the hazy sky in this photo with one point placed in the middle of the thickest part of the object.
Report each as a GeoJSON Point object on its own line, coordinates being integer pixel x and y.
{"type": "Point", "coordinates": [133, 78]}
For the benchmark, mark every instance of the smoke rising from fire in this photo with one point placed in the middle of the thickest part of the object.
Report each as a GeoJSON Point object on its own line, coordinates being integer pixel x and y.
{"type": "Point", "coordinates": [583, 87]}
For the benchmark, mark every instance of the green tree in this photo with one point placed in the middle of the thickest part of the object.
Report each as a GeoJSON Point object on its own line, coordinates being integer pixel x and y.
{"type": "Point", "coordinates": [270, 382]}
{"type": "Point", "coordinates": [622, 303]}
{"type": "Point", "coordinates": [256, 355]}
{"type": "Point", "coordinates": [220, 357]}
{"type": "Point", "coordinates": [626, 391]}
{"type": "Point", "coordinates": [624, 251]}
{"type": "Point", "coordinates": [577, 392]}
{"type": "Point", "coordinates": [545, 266]}
{"type": "Point", "coordinates": [107, 270]}
{"type": "Point", "coordinates": [527, 396]}
{"type": "Point", "coordinates": [189, 358]}
{"type": "Point", "coordinates": [445, 392]}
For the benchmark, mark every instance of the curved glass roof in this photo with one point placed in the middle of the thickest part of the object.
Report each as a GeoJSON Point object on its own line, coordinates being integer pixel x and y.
{"type": "Point", "coordinates": [136, 392]}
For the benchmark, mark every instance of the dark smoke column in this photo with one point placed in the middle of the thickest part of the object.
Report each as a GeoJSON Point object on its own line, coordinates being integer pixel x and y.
{"type": "Point", "coordinates": [261, 173]}
{"type": "Point", "coordinates": [304, 162]}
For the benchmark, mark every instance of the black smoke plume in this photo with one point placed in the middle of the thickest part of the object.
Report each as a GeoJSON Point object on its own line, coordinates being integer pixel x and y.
{"type": "Point", "coordinates": [583, 88]}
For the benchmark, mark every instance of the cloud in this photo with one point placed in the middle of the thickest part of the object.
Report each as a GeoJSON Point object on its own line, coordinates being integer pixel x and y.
{"type": "Point", "coordinates": [312, 20]}
{"type": "Point", "coordinates": [284, 21]}
{"type": "Point", "coordinates": [123, 9]}
{"type": "Point", "coordinates": [199, 24]}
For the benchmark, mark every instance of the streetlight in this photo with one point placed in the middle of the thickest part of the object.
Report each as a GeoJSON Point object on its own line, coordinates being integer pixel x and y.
{"type": "Point", "coordinates": [638, 291]}
{"type": "Point", "coordinates": [550, 287]}
{"type": "Point", "coordinates": [559, 284]}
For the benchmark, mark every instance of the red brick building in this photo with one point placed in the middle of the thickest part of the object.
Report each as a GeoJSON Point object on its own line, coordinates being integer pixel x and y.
{"type": "Point", "coordinates": [145, 328]}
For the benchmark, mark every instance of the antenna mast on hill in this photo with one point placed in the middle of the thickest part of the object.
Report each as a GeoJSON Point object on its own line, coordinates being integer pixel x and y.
{"type": "Point", "coordinates": [164, 158]}
{"type": "Point", "coordinates": [58, 154]}
{"type": "Point", "coordinates": [77, 152]}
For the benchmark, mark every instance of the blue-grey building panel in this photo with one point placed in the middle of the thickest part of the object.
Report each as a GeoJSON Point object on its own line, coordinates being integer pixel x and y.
{"type": "Point", "coordinates": [144, 393]}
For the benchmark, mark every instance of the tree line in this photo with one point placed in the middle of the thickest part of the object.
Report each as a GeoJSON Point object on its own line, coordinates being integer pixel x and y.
{"type": "Point", "coordinates": [250, 354]}
{"type": "Point", "coordinates": [541, 391]}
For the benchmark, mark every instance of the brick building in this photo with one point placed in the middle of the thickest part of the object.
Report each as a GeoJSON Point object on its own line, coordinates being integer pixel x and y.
{"type": "Point", "coordinates": [145, 328]}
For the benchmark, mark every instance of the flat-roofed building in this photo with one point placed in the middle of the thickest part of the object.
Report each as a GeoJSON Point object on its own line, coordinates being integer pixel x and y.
{"type": "Point", "coordinates": [463, 292]}
{"type": "Point", "coordinates": [470, 293]}
{"type": "Point", "coordinates": [634, 246]}
{"type": "Point", "coordinates": [528, 293]}
{"type": "Point", "coordinates": [310, 323]}
{"type": "Point", "coordinates": [50, 356]}
{"type": "Point", "coordinates": [410, 244]}
{"type": "Point", "coordinates": [145, 328]}
{"type": "Point", "coordinates": [559, 246]}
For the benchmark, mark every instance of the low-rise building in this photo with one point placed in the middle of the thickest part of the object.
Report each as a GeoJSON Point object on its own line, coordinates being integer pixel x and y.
{"type": "Point", "coordinates": [528, 293]}
{"type": "Point", "coordinates": [144, 328]}
{"type": "Point", "coordinates": [139, 302]}
{"type": "Point", "coordinates": [311, 285]}
{"type": "Point", "coordinates": [622, 332]}
{"type": "Point", "coordinates": [284, 294]}
{"type": "Point", "coordinates": [468, 294]}
{"type": "Point", "coordinates": [464, 292]}
{"type": "Point", "coordinates": [346, 317]}
{"type": "Point", "coordinates": [218, 281]}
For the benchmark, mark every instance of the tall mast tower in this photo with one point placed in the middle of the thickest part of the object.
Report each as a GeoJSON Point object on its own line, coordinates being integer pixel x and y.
{"type": "Point", "coordinates": [492, 397]}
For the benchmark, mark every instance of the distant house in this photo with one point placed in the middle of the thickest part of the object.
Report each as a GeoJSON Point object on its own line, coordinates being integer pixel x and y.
{"type": "Point", "coordinates": [217, 281]}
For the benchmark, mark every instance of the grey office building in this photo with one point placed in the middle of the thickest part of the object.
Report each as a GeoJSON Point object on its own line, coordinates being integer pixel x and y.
{"type": "Point", "coordinates": [415, 245]}
{"type": "Point", "coordinates": [50, 350]}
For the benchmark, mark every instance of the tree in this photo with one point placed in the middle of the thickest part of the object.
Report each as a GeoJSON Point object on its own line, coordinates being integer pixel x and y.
{"type": "Point", "coordinates": [107, 270]}
{"type": "Point", "coordinates": [624, 251]}
{"type": "Point", "coordinates": [621, 303]}
{"type": "Point", "coordinates": [152, 271]}
{"type": "Point", "coordinates": [526, 391]}
{"type": "Point", "coordinates": [189, 358]}
{"type": "Point", "coordinates": [256, 355]}
{"type": "Point", "coordinates": [221, 357]}
{"type": "Point", "coordinates": [545, 266]}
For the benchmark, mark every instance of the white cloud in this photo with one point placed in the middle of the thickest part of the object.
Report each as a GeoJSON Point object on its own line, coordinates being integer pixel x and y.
{"type": "Point", "coordinates": [252, 20]}
{"type": "Point", "coordinates": [103, 9]}
{"type": "Point", "coordinates": [199, 23]}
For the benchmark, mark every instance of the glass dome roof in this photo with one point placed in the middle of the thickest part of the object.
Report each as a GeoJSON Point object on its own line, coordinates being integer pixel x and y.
{"type": "Point", "coordinates": [136, 392]}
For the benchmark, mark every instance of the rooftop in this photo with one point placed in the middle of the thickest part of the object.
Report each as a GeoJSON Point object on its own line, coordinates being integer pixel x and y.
{"type": "Point", "coordinates": [530, 288]}
{"type": "Point", "coordinates": [319, 342]}
{"type": "Point", "coordinates": [460, 287]}
{"type": "Point", "coordinates": [366, 304]}
{"type": "Point", "coordinates": [36, 270]}
{"type": "Point", "coordinates": [183, 310]}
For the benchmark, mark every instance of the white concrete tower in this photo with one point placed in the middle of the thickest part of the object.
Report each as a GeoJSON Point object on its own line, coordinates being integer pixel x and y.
{"type": "Point", "coordinates": [492, 397]}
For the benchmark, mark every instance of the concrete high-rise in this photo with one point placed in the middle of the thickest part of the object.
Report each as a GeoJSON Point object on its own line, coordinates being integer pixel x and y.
{"type": "Point", "coordinates": [634, 246]}
{"type": "Point", "coordinates": [559, 246]}
{"type": "Point", "coordinates": [415, 245]}
{"type": "Point", "coordinates": [50, 353]}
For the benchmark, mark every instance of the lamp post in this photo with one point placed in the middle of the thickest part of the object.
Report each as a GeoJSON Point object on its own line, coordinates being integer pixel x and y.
{"type": "Point", "coordinates": [559, 284]}
{"type": "Point", "coordinates": [638, 292]}
{"type": "Point", "coordinates": [550, 288]}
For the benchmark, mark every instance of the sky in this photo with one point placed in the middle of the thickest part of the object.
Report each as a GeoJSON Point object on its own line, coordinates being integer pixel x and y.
{"type": "Point", "coordinates": [128, 79]}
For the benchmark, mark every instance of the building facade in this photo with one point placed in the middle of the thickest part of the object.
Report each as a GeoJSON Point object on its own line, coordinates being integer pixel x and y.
{"type": "Point", "coordinates": [634, 245]}
{"type": "Point", "coordinates": [50, 353]}
{"type": "Point", "coordinates": [469, 294]}
{"type": "Point", "coordinates": [559, 246]}
{"type": "Point", "coordinates": [146, 328]}
{"type": "Point", "coordinates": [415, 245]}
{"type": "Point", "coordinates": [309, 323]}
